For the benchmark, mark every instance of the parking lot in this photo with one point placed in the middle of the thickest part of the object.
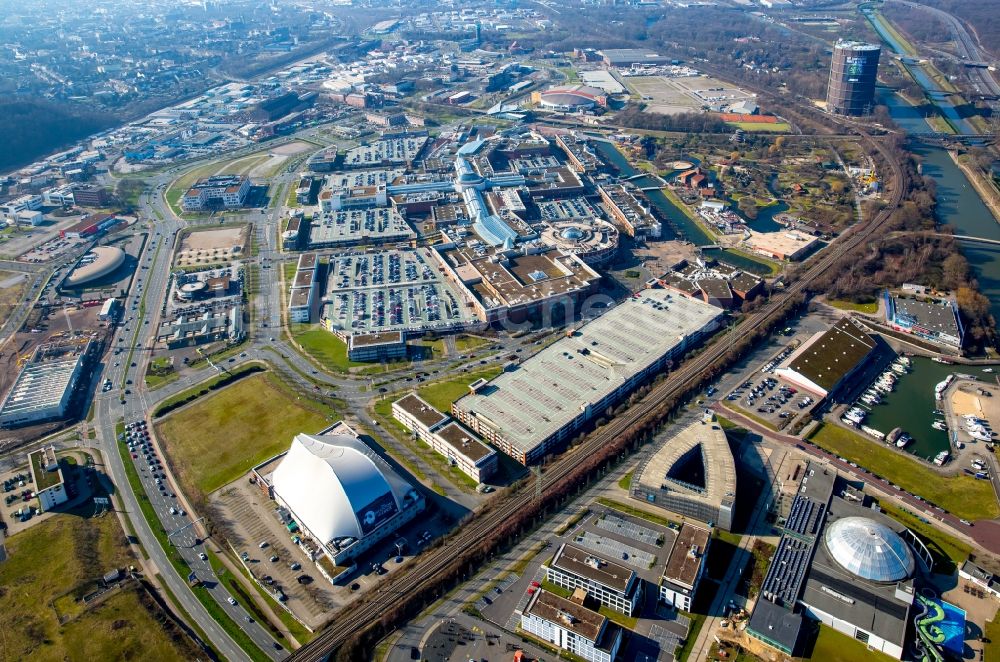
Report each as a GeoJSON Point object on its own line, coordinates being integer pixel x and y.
{"type": "Point", "coordinates": [766, 397]}
{"type": "Point", "coordinates": [250, 518]}
{"type": "Point", "coordinates": [390, 290]}
{"type": "Point", "coordinates": [51, 249]}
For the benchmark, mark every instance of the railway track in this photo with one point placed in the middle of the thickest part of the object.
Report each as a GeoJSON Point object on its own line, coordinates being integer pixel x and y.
{"type": "Point", "coordinates": [426, 569]}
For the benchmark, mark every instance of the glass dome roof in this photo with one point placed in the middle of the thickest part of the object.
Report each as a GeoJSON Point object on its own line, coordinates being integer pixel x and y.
{"type": "Point", "coordinates": [572, 234]}
{"type": "Point", "coordinates": [868, 549]}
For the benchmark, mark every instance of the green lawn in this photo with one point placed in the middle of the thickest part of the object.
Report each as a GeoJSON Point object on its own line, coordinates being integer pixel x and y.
{"type": "Point", "coordinates": [964, 496]}
{"type": "Point", "coordinates": [160, 372]}
{"type": "Point", "coordinates": [441, 394]}
{"type": "Point", "coordinates": [326, 348]}
{"type": "Point", "coordinates": [635, 512]}
{"type": "Point", "coordinates": [626, 482]}
{"type": "Point", "coordinates": [61, 555]}
{"type": "Point", "coordinates": [762, 127]}
{"type": "Point", "coordinates": [832, 646]}
{"type": "Point", "coordinates": [222, 435]}
{"type": "Point", "coordinates": [464, 343]}
{"type": "Point", "coordinates": [869, 308]}
{"type": "Point", "coordinates": [992, 649]}
{"type": "Point", "coordinates": [947, 550]}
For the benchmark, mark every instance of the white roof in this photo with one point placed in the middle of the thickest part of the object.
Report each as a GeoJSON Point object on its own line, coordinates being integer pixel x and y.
{"type": "Point", "coordinates": [334, 487]}
{"type": "Point", "coordinates": [552, 388]}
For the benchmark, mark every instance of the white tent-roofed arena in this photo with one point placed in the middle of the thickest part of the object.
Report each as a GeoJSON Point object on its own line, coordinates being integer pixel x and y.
{"type": "Point", "coordinates": [340, 491]}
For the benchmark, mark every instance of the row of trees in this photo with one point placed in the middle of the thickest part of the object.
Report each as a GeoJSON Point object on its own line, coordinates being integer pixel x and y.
{"type": "Point", "coordinates": [913, 250]}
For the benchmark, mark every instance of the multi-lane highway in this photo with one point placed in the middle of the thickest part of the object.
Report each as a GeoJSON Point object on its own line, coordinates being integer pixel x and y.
{"type": "Point", "coordinates": [965, 46]}
{"type": "Point", "coordinates": [129, 402]}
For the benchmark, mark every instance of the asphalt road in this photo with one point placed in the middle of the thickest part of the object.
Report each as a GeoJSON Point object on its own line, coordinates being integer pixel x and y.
{"type": "Point", "coordinates": [134, 341]}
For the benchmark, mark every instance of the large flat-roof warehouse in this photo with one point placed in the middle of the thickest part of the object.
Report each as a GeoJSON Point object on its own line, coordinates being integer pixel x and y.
{"type": "Point", "coordinates": [531, 409]}
{"type": "Point", "coordinates": [828, 359]}
{"type": "Point", "coordinates": [45, 386]}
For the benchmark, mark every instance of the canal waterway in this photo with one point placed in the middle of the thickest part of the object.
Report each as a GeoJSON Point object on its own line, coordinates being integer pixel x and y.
{"type": "Point", "coordinates": [679, 225]}
{"type": "Point", "coordinates": [941, 97]}
{"type": "Point", "coordinates": [912, 404]}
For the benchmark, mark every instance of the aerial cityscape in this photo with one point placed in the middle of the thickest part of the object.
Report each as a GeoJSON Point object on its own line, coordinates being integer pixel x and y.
{"type": "Point", "coordinates": [603, 330]}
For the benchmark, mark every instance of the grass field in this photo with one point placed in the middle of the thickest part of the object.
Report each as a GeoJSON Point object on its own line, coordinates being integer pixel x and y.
{"type": "Point", "coordinates": [948, 551]}
{"type": "Point", "coordinates": [762, 127]}
{"type": "Point", "coordinates": [160, 372]}
{"type": "Point", "coordinates": [464, 343]}
{"type": "Point", "coordinates": [56, 556]}
{"type": "Point", "coordinates": [326, 348]}
{"type": "Point", "coordinates": [992, 649]}
{"type": "Point", "coordinates": [222, 435]}
{"type": "Point", "coordinates": [441, 394]}
{"type": "Point", "coordinates": [964, 496]}
{"type": "Point", "coordinates": [868, 308]}
{"type": "Point", "coordinates": [11, 295]}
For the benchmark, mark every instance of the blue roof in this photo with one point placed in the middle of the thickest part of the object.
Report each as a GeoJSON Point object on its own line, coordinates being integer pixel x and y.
{"type": "Point", "coordinates": [494, 230]}
{"type": "Point", "coordinates": [470, 148]}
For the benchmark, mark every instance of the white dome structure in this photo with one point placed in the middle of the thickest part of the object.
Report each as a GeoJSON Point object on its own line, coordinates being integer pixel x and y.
{"type": "Point", "coordinates": [99, 262]}
{"type": "Point", "coordinates": [336, 489]}
{"type": "Point", "coordinates": [869, 549]}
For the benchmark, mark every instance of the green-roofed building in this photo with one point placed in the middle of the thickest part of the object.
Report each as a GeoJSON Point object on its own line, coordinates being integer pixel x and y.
{"type": "Point", "coordinates": [827, 360]}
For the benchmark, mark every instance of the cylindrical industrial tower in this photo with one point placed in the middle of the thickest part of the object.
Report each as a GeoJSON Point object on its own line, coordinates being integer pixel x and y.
{"type": "Point", "coordinates": [851, 90]}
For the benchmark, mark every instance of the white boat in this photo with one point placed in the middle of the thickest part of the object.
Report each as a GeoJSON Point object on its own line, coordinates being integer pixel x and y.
{"type": "Point", "coordinates": [905, 360]}
{"type": "Point", "coordinates": [941, 458]}
{"type": "Point", "coordinates": [903, 441]}
{"type": "Point", "coordinates": [939, 425]}
{"type": "Point", "coordinates": [979, 434]}
{"type": "Point", "coordinates": [938, 359]}
{"type": "Point", "coordinates": [883, 388]}
{"type": "Point", "coordinates": [898, 369]}
{"type": "Point", "coordinates": [872, 432]}
{"type": "Point", "coordinates": [855, 416]}
{"type": "Point", "coordinates": [987, 369]}
{"type": "Point", "coordinates": [943, 386]}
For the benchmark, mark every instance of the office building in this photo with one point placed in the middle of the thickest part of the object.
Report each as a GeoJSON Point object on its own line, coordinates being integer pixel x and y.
{"type": "Point", "coordinates": [462, 448]}
{"type": "Point", "coordinates": [47, 477]}
{"type": "Point", "coordinates": [570, 626]}
{"type": "Point", "coordinates": [227, 191]}
{"type": "Point", "coordinates": [692, 474]}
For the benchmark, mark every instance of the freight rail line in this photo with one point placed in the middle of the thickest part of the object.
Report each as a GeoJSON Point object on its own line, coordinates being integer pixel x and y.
{"type": "Point", "coordinates": [431, 564]}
